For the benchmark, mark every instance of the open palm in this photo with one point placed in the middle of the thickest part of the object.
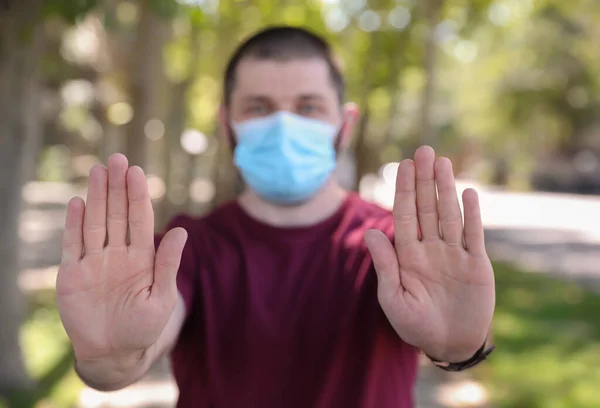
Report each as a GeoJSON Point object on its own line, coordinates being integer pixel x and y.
{"type": "Point", "coordinates": [114, 294]}
{"type": "Point", "coordinates": [436, 284]}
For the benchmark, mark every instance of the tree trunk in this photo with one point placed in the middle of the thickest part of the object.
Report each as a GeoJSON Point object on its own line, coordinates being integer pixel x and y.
{"type": "Point", "coordinates": [176, 159]}
{"type": "Point", "coordinates": [362, 151]}
{"type": "Point", "coordinates": [431, 12]}
{"type": "Point", "coordinates": [111, 47]}
{"type": "Point", "coordinates": [365, 155]}
{"type": "Point", "coordinates": [394, 83]}
{"type": "Point", "coordinates": [176, 123]}
{"type": "Point", "coordinates": [228, 182]}
{"type": "Point", "coordinates": [19, 135]}
{"type": "Point", "coordinates": [146, 81]}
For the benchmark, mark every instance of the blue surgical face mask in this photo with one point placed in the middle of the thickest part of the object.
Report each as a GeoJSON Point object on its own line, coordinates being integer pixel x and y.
{"type": "Point", "coordinates": [285, 158]}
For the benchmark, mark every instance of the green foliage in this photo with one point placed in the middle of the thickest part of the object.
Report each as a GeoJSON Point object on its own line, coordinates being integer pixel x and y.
{"type": "Point", "coordinates": [515, 78]}
{"type": "Point", "coordinates": [68, 10]}
{"type": "Point", "coordinates": [164, 8]}
{"type": "Point", "coordinates": [511, 75]}
{"type": "Point", "coordinates": [548, 347]}
{"type": "Point", "coordinates": [48, 357]}
{"type": "Point", "coordinates": [548, 344]}
{"type": "Point", "coordinates": [197, 17]}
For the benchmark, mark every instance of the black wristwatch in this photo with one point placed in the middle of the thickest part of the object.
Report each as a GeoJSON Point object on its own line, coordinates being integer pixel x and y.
{"type": "Point", "coordinates": [477, 358]}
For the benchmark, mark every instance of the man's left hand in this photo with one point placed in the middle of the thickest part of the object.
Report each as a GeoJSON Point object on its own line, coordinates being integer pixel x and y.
{"type": "Point", "coordinates": [436, 286]}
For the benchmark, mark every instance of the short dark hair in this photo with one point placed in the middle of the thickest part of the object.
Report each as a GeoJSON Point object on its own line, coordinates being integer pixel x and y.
{"type": "Point", "coordinates": [283, 43]}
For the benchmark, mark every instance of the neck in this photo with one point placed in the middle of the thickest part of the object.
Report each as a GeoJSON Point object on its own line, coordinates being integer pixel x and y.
{"type": "Point", "coordinates": [317, 209]}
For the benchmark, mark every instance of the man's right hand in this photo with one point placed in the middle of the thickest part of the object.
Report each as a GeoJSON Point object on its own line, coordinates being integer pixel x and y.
{"type": "Point", "coordinates": [115, 295]}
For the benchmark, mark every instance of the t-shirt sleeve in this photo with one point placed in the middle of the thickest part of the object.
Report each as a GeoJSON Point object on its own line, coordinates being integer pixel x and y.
{"type": "Point", "coordinates": [187, 279]}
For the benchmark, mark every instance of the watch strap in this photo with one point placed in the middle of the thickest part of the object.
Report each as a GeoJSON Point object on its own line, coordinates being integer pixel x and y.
{"type": "Point", "coordinates": [479, 356]}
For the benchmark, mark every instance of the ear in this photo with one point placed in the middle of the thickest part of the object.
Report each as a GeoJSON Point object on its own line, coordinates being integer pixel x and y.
{"type": "Point", "coordinates": [350, 115]}
{"type": "Point", "coordinates": [224, 126]}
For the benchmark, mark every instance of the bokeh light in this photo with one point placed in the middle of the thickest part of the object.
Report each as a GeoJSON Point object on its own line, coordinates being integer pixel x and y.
{"type": "Point", "coordinates": [202, 190]}
{"type": "Point", "coordinates": [156, 186]}
{"type": "Point", "coordinates": [389, 172]}
{"type": "Point", "coordinates": [154, 129]}
{"type": "Point", "coordinates": [399, 17]}
{"type": "Point", "coordinates": [336, 20]}
{"type": "Point", "coordinates": [119, 113]}
{"type": "Point", "coordinates": [81, 44]}
{"type": "Point", "coordinates": [82, 164]}
{"type": "Point", "coordinates": [92, 130]}
{"type": "Point", "coordinates": [369, 21]}
{"type": "Point", "coordinates": [463, 394]}
{"type": "Point", "coordinates": [194, 142]}
{"type": "Point", "coordinates": [127, 13]}
{"type": "Point", "coordinates": [499, 13]}
{"type": "Point", "coordinates": [77, 92]}
{"type": "Point", "coordinates": [465, 51]}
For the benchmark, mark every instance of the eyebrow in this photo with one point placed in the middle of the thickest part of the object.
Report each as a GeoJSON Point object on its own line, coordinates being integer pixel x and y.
{"type": "Point", "coordinates": [265, 98]}
{"type": "Point", "coordinates": [257, 98]}
{"type": "Point", "coordinates": [311, 96]}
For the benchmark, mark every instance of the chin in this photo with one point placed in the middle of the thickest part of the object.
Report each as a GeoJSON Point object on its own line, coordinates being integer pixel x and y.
{"type": "Point", "coordinates": [289, 204]}
{"type": "Point", "coordinates": [327, 187]}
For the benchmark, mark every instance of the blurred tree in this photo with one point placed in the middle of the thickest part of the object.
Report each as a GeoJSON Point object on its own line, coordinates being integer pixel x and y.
{"type": "Point", "coordinates": [431, 11]}
{"type": "Point", "coordinates": [511, 81]}
{"type": "Point", "coordinates": [175, 156]}
{"type": "Point", "coordinates": [20, 51]}
{"type": "Point", "coordinates": [523, 89]}
{"type": "Point", "coordinates": [146, 79]}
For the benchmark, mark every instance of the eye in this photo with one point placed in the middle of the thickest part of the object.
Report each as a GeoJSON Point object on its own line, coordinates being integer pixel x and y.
{"type": "Point", "coordinates": [308, 109]}
{"type": "Point", "coordinates": [257, 110]}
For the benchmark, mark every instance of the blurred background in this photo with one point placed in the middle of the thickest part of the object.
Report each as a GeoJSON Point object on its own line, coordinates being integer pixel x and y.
{"type": "Point", "coordinates": [508, 89]}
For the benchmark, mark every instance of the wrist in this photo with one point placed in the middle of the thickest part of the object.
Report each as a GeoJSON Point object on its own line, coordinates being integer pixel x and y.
{"type": "Point", "coordinates": [480, 355]}
{"type": "Point", "coordinates": [111, 373]}
{"type": "Point", "coordinates": [459, 353]}
{"type": "Point", "coordinates": [454, 355]}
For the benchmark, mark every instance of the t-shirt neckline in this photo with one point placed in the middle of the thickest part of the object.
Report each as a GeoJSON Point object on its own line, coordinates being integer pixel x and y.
{"type": "Point", "coordinates": [295, 232]}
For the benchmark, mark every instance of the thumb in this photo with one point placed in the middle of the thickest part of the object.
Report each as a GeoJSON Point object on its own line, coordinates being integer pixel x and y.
{"type": "Point", "coordinates": [384, 259]}
{"type": "Point", "coordinates": [167, 260]}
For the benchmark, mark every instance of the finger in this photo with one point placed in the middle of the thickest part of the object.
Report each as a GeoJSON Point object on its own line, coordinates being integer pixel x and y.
{"type": "Point", "coordinates": [427, 202]}
{"type": "Point", "coordinates": [141, 215]}
{"type": "Point", "coordinates": [117, 200]}
{"type": "Point", "coordinates": [473, 234]}
{"type": "Point", "coordinates": [94, 221]}
{"type": "Point", "coordinates": [72, 242]}
{"type": "Point", "coordinates": [385, 261]}
{"type": "Point", "coordinates": [451, 222]}
{"type": "Point", "coordinates": [406, 224]}
{"type": "Point", "coordinates": [167, 261]}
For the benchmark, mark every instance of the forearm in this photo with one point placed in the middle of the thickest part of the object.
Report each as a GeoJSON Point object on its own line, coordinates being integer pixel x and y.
{"type": "Point", "coordinates": [114, 373]}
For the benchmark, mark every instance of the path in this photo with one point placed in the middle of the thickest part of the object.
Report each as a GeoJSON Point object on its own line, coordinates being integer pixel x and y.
{"type": "Point", "coordinates": [552, 233]}
{"type": "Point", "coordinates": [558, 234]}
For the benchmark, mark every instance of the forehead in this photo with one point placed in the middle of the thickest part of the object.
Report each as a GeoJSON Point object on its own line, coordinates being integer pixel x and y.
{"type": "Point", "coordinates": [283, 79]}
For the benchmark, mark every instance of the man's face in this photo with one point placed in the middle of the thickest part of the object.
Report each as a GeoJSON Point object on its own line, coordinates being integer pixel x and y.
{"type": "Point", "coordinates": [300, 86]}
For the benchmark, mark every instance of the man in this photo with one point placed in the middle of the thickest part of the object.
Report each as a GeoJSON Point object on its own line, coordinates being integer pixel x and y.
{"type": "Point", "coordinates": [298, 293]}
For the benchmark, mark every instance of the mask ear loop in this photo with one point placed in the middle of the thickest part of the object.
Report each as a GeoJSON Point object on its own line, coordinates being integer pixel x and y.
{"type": "Point", "coordinates": [232, 145]}
{"type": "Point", "coordinates": [338, 140]}
{"type": "Point", "coordinates": [231, 137]}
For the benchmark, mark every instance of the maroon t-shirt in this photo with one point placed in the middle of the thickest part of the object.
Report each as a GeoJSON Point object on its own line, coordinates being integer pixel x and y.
{"type": "Point", "coordinates": [287, 317]}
